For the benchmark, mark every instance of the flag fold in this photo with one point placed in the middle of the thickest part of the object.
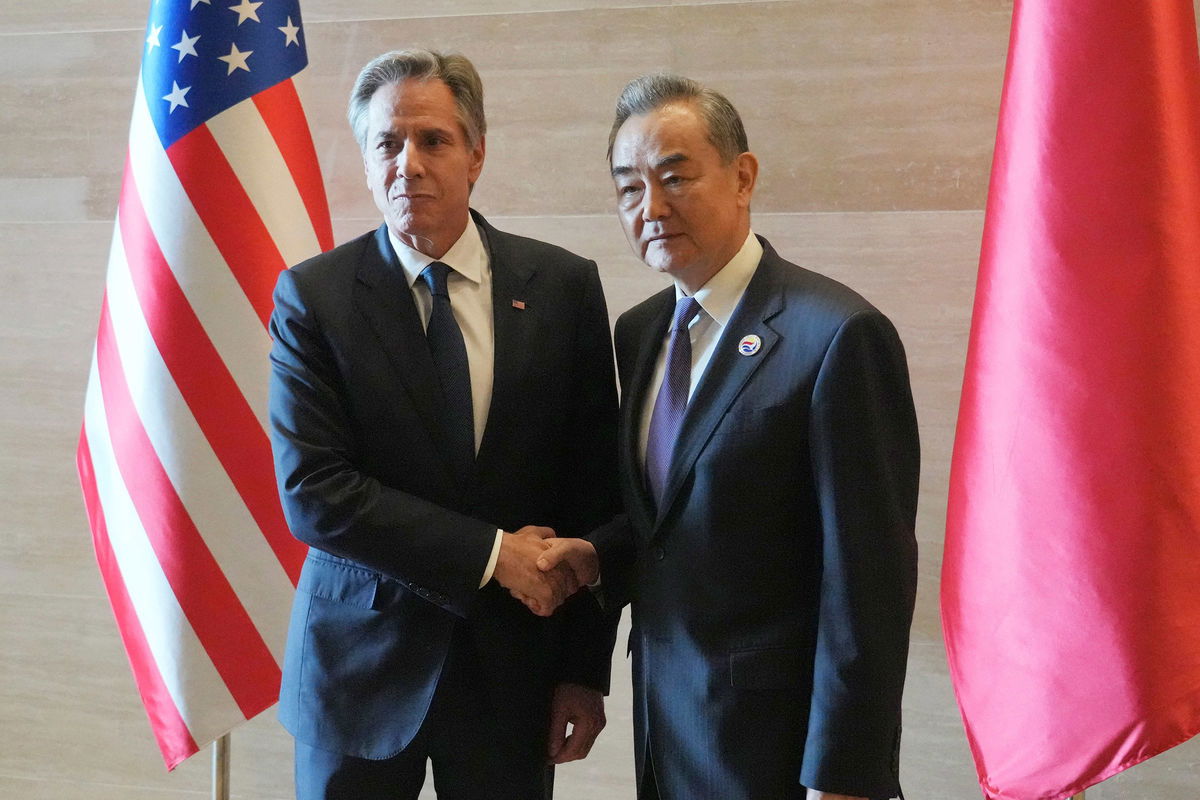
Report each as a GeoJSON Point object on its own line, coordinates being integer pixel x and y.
{"type": "Point", "coordinates": [1069, 586]}
{"type": "Point", "coordinates": [221, 191]}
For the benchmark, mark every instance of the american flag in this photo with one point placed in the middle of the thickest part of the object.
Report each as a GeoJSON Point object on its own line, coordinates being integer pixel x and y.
{"type": "Point", "coordinates": [221, 191]}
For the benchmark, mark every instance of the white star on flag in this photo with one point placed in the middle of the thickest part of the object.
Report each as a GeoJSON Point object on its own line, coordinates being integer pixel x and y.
{"type": "Point", "coordinates": [152, 39]}
{"type": "Point", "coordinates": [176, 97]}
{"type": "Point", "coordinates": [246, 10]}
{"type": "Point", "coordinates": [186, 45]}
{"type": "Point", "coordinates": [236, 59]}
{"type": "Point", "coordinates": [198, 2]}
{"type": "Point", "coordinates": [291, 31]}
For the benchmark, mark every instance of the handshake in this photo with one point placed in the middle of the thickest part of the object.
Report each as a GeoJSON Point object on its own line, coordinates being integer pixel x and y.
{"type": "Point", "coordinates": [541, 570]}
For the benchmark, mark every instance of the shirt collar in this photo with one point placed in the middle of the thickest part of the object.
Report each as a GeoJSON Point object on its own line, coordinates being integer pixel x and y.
{"type": "Point", "coordinates": [720, 296]}
{"type": "Point", "coordinates": [467, 256]}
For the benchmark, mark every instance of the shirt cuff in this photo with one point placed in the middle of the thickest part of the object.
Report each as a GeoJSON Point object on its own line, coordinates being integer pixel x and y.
{"type": "Point", "coordinates": [491, 565]}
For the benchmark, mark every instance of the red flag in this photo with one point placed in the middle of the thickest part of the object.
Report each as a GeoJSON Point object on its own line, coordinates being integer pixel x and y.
{"type": "Point", "coordinates": [1071, 581]}
{"type": "Point", "coordinates": [221, 191]}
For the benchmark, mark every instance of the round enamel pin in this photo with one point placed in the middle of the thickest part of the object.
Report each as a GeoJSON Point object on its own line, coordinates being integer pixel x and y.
{"type": "Point", "coordinates": [749, 345]}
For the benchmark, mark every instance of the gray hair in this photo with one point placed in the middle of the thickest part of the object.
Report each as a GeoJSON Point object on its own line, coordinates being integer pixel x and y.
{"type": "Point", "coordinates": [456, 71]}
{"type": "Point", "coordinates": [652, 92]}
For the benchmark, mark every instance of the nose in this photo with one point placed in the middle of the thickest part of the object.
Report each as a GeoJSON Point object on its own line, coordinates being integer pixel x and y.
{"type": "Point", "coordinates": [654, 204]}
{"type": "Point", "coordinates": [409, 163]}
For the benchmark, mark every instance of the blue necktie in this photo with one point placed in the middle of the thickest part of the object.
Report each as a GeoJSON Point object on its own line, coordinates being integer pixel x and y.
{"type": "Point", "coordinates": [672, 400]}
{"type": "Point", "coordinates": [450, 357]}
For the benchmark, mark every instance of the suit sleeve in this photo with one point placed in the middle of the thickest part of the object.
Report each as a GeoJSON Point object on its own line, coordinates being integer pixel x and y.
{"type": "Point", "coordinates": [592, 497]}
{"type": "Point", "coordinates": [332, 505]}
{"type": "Point", "coordinates": [615, 541]}
{"type": "Point", "coordinates": [616, 549]}
{"type": "Point", "coordinates": [866, 461]}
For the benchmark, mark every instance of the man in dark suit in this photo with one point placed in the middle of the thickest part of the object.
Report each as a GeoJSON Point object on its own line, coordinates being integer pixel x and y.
{"type": "Point", "coordinates": [769, 461]}
{"type": "Point", "coordinates": [436, 384]}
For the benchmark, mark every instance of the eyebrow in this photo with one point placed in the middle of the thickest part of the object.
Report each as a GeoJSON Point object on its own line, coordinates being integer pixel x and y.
{"type": "Point", "coordinates": [664, 162]}
{"type": "Point", "coordinates": [434, 129]}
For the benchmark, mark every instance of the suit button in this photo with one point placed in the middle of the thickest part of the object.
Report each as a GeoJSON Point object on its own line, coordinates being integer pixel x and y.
{"type": "Point", "coordinates": [659, 554]}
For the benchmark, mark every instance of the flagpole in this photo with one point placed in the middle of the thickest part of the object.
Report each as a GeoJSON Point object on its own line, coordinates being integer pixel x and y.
{"type": "Point", "coordinates": [220, 771]}
{"type": "Point", "coordinates": [1078, 796]}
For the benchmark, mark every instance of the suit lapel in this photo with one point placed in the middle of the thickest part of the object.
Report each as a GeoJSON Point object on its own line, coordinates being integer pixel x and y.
{"type": "Point", "coordinates": [383, 296]}
{"type": "Point", "coordinates": [727, 372]}
{"type": "Point", "coordinates": [513, 331]}
{"type": "Point", "coordinates": [648, 344]}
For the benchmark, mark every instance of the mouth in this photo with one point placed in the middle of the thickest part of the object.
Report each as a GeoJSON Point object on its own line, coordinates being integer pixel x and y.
{"type": "Point", "coordinates": [661, 238]}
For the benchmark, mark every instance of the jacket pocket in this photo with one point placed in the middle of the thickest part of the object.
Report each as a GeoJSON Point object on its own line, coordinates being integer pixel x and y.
{"type": "Point", "coordinates": [740, 421]}
{"type": "Point", "coordinates": [339, 581]}
{"type": "Point", "coordinates": [764, 668]}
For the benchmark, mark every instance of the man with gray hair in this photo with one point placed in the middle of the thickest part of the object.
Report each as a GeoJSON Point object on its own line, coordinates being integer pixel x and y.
{"type": "Point", "coordinates": [769, 462]}
{"type": "Point", "coordinates": [442, 403]}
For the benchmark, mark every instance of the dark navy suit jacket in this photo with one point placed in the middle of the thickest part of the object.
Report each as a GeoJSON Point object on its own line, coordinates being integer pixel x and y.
{"type": "Point", "coordinates": [398, 539]}
{"type": "Point", "coordinates": [773, 590]}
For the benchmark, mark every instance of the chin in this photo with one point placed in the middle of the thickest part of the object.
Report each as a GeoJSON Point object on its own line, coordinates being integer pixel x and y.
{"type": "Point", "coordinates": [407, 223]}
{"type": "Point", "coordinates": [657, 263]}
{"type": "Point", "coordinates": [666, 263]}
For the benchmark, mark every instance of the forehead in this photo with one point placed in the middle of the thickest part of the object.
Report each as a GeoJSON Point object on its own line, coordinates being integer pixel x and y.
{"type": "Point", "coordinates": [676, 129]}
{"type": "Point", "coordinates": [427, 101]}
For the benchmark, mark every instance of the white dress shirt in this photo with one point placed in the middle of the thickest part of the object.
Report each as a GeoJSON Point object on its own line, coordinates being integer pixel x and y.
{"type": "Point", "coordinates": [718, 300]}
{"type": "Point", "coordinates": [469, 284]}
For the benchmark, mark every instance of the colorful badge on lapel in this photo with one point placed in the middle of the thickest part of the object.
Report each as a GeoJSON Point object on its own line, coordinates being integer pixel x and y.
{"type": "Point", "coordinates": [519, 305]}
{"type": "Point", "coordinates": [749, 345]}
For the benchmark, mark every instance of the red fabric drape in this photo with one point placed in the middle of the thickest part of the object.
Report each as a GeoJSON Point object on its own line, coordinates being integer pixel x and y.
{"type": "Point", "coordinates": [1071, 579]}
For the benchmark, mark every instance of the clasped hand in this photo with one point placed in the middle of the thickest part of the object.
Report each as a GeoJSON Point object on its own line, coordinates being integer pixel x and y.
{"type": "Point", "coordinates": [543, 571]}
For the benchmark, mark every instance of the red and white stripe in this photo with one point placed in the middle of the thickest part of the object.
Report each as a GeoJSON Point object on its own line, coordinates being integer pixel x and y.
{"type": "Point", "coordinates": [174, 457]}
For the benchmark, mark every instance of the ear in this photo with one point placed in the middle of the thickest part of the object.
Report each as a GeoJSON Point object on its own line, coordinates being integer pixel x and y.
{"type": "Point", "coordinates": [476, 161]}
{"type": "Point", "coordinates": [747, 175]}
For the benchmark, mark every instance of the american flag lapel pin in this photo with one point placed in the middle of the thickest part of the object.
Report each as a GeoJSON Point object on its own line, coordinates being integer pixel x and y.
{"type": "Point", "coordinates": [519, 305]}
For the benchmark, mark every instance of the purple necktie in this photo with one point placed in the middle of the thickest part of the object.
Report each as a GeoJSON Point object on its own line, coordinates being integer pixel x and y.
{"type": "Point", "coordinates": [450, 357]}
{"type": "Point", "coordinates": [672, 399]}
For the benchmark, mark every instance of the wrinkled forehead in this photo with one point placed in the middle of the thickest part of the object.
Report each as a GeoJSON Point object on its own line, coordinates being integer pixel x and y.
{"type": "Point", "coordinates": [667, 136]}
{"type": "Point", "coordinates": [428, 102]}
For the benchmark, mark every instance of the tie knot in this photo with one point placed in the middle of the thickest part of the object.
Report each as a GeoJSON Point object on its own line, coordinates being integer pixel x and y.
{"type": "Point", "coordinates": [686, 309]}
{"type": "Point", "coordinates": [434, 276]}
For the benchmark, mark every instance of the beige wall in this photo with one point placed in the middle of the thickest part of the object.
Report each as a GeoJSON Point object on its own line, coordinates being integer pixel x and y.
{"type": "Point", "coordinates": [873, 121]}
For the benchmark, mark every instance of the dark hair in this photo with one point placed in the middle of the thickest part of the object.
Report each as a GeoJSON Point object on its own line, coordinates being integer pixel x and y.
{"type": "Point", "coordinates": [651, 92]}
